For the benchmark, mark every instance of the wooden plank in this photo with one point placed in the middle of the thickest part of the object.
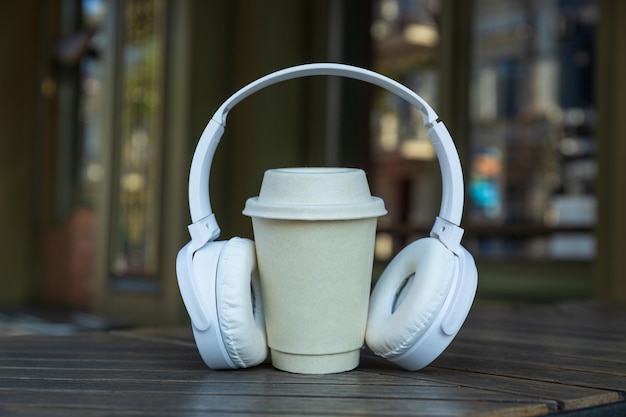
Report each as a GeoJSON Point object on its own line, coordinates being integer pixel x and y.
{"type": "Point", "coordinates": [604, 318]}
{"type": "Point", "coordinates": [266, 405]}
{"type": "Point", "coordinates": [543, 352]}
{"type": "Point", "coordinates": [560, 396]}
{"type": "Point", "coordinates": [171, 334]}
{"type": "Point", "coordinates": [531, 371]}
{"type": "Point", "coordinates": [517, 362]}
{"type": "Point", "coordinates": [93, 341]}
{"type": "Point", "coordinates": [69, 376]}
{"type": "Point", "coordinates": [544, 356]}
{"type": "Point", "coordinates": [258, 375]}
{"type": "Point", "coordinates": [110, 357]}
{"type": "Point", "coordinates": [567, 330]}
{"type": "Point", "coordinates": [141, 387]}
{"type": "Point", "coordinates": [581, 343]}
{"type": "Point", "coordinates": [523, 336]}
{"type": "Point", "coordinates": [566, 397]}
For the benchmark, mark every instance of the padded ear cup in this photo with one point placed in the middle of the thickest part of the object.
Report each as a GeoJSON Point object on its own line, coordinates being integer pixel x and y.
{"type": "Point", "coordinates": [408, 295]}
{"type": "Point", "coordinates": [239, 307]}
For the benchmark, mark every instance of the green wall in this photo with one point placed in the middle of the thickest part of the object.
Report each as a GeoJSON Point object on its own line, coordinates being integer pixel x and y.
{"type": "Point", "coordinates": [279, 126]}
{"type": "Point", "coordinates": [18, 253]}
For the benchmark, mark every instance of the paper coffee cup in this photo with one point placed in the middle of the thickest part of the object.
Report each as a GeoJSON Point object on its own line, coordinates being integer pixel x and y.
{"type": "Point", "coordinates": [314, 230]}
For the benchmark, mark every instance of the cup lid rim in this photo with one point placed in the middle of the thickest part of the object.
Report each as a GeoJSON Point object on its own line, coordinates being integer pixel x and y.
{"type": "Point", "coordinates": [375, 207]}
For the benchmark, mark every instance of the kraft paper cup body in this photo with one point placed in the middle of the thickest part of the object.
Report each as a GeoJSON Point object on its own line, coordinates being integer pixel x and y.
{"type": "Point", "coordinates": [314, 232]}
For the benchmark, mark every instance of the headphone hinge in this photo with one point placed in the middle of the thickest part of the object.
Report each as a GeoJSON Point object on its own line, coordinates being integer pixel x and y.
{"type": "Point", "coordinates": [204, 230]}
{"type": "Point", "coordinates": [447, 233]}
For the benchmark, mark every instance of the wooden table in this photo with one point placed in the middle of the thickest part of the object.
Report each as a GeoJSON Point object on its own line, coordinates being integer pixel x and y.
{"type": "Point", "coordinates": [528, 361]}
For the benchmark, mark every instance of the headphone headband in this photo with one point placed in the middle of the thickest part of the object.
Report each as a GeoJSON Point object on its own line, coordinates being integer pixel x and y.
{"type": "Point", "coordinates": [204, 225]}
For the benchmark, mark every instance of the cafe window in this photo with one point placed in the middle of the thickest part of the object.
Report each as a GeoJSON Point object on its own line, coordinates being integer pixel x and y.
{"type": "Point", "coordinates": [405, 38]}
{"type": "Point", "coordinates": [532, 163]}
{"type": "Point", "coordinates": [530, 158]}
{"type": "Point", "coordinates": [136, 209]}
{"type": "Point", "coordinates": [119, 142]}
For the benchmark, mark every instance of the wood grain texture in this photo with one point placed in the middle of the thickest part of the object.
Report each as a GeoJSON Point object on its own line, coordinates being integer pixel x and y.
{"type": "Point", "coordinates": [530, 361]}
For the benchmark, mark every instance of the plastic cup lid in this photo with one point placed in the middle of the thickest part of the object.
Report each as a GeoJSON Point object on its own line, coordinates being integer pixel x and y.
{"type": "Point", "coordinates": [314, 194]}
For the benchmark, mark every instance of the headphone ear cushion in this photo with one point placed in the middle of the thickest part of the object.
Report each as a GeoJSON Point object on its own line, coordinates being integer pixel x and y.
{"type": "Point", "coordinates": [239, 307]}
{"type": "Point", "coordinates": [408, 295]}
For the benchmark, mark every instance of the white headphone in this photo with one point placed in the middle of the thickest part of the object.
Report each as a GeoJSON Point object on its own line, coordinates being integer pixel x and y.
{"type": "Point", "coordinates": [418, 304]}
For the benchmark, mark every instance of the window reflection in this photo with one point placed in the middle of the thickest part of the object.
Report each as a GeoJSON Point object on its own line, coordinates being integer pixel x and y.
{"type": "Point", "coordinates": [405, 36]}
{"type": "Point", "coordinates": [532, 125]}
{"type": "Point", "coordinates": [136, 215]}
{"type": "Point", "coordinates": [94, 13]}
{"type": "Point", "coordinates": [531, 166]}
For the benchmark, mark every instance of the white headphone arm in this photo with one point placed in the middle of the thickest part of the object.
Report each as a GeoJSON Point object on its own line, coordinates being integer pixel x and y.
{"type": "Point", "coordinates": [205, 228]}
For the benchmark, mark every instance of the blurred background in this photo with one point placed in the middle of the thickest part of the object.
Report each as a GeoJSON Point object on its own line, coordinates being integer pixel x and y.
{"type": "Point", "coordinates": [103, 102]}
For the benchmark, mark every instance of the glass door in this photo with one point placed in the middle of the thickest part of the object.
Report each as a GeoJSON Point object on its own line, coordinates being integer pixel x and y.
{"type": "Point", "coordinates": [532, 161]}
